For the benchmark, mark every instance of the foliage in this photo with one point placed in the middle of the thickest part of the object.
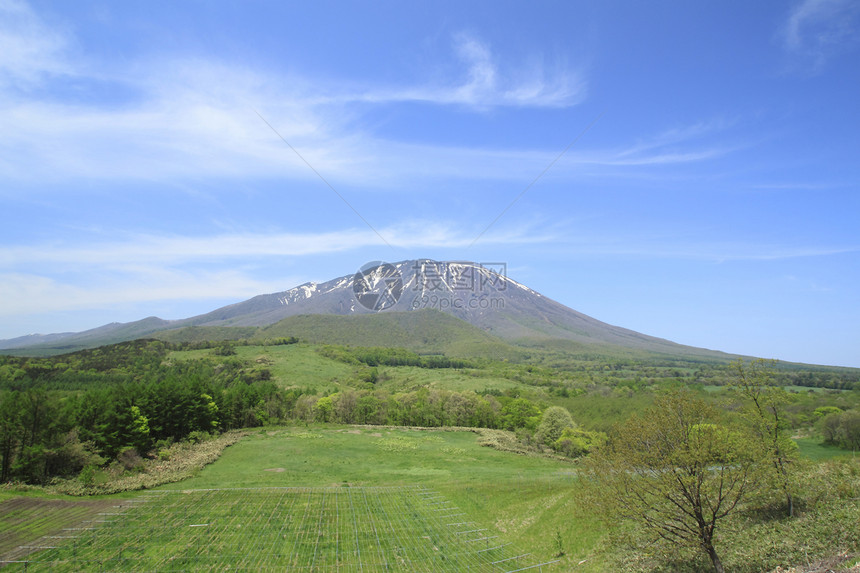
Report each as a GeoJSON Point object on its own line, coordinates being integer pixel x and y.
{"type": "Point", "coordinates": [576, 442]}
{"type": "Point", "coordinates": [225, 349]}
{"type": "Point", "coordinates": [842, 429]}
{"type": "Point", "coordinates": [820, 537]}
{"type": "Point", "coordinates": [129, 459]}
{"type": "Point", "coordinates": [520, 413]}
{"type": "Point", "coordinates": [383, 356]}
{"type": "Point", "coordinates": [136, 395]}
{"type": "Point", "coordinates": [553, 422]}
{"type": "Point", "coordinates": [677, 471]}
{"type": "Point", "coordinates": [182, 460]}
{"type": "Point", "coordinates": [765, 413]}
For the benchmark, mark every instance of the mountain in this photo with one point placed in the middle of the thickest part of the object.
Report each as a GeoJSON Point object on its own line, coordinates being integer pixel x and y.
{"type": "Point", "coordinates": [480, 295]}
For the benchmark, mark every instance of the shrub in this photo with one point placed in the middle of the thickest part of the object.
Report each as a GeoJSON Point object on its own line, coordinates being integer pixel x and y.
{"type": "Point", "coordinates": [226, 349]}
{"type": "Point", "coordinates": [197, 437]}
{"type": "Point", "coordinates": [164, 444]}
{"type": "Point", "coordinates": [130, 460]}
{"type": "Point", "coordinates": [88, 475]}
{"type": "Point", "coordinates": [553, 422]}
{"type": "Point", "coordinates": [575, 442]}
{"type": "Point", "coordinates": [842, 429]}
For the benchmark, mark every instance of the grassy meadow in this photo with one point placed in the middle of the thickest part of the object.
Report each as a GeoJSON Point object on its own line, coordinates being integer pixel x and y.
{"type": "Point", "coordinates": [305, 482]}
{"type": "Point", "coordinates": [301, 365]}
{"type": "Point", "coordinates": [528, 500]}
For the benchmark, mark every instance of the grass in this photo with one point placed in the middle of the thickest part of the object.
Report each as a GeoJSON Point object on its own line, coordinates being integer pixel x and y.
{"type": "Point", "coordinates": [314, 529]}
{"type": "Point", "coordinates": [23, 519]}
{"type": "Point", "coordinates": [368, 456]}
{"type": "Point", "coordinates": [523, 501]}
{"type": "Point", "coordinates": [291, 365]}
{"type": "Point", "coordinates": [428, 331]}
{"type": "Point", "coordinates": [790, 388]}
{"type": "Point", "coordinates": [813, 449]}
{"type": "Point", "coordinates": [407, 378]}
{"type": "Point", "coordinates": [290, 491]}
{"type": "Point", "coordinates": [300, 365]}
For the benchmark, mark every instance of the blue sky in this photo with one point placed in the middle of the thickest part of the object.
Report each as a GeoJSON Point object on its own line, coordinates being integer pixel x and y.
{"type": "Point", "coordinates": [709, 194]}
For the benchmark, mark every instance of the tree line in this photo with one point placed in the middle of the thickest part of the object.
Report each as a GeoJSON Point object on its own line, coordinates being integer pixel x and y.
{"type": "Point", "coordinates": [383, 356]}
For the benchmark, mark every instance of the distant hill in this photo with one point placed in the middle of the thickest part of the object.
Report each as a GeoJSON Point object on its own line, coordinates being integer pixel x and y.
{"type": "Point", "coordinates": [483, 306]}
{"type": "Point", "coordinates": [69, 342]}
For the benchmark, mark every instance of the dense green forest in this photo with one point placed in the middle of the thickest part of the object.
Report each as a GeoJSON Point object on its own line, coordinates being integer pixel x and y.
{"type": "Point", "coordinates": [62, 415]}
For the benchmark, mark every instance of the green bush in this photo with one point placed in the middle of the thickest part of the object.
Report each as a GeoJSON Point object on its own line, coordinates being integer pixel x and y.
{"type": "Point", "coordinates": [553, 422]}
{"type": "Point", "coordinates": [197, 437]}
{"type": "Point", "coordinates": [575, 442]}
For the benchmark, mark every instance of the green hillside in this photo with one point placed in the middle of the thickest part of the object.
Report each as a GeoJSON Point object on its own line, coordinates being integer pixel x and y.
{"type": "Point", "coordinates": [424, 331]}
{"type": "Point", "coordinates": [206, 333]}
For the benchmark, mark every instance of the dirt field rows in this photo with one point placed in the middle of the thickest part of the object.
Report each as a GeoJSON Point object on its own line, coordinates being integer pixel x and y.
{"type": "Point", "coordinates": [27, 523]}
{"type": "Point", "coordinates": [334, 529]}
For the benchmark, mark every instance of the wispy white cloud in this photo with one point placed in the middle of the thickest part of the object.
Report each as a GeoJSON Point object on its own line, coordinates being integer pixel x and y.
{"type": "Point", "coordinates": [24, 294]}
{"type": "Point", "coordinates": [191, 118]}
{"type": "Point", "coordinates": [699, 250]}
{"type": "Point", "coordinates": [816, 30]}
{"type": "Point", "coordinates": [183, 136]}
{"type": "Point", "coordinates": [485, 84]}
{"type": "Point", "coordinates": [660, 158]}
{"type": "Point", "coordinates": [679, 145]}
{"type": "Point", "coordinates": [29, 49]}
{"type": "Point", "coordinates": [182, 250]}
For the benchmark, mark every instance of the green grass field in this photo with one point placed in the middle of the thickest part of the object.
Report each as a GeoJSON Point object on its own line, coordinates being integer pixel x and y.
{"type": "Point", "coordinates": [300, 365]}
{"type": "Point", "coordinates": [813, 449]}
{"type": "Point", "coordinates": [290, 364]}
{"type": "Point", "coordinates": [295, 529]}
{"type": "Point", "coordinates": [23, 519]}
{"type": "Point", "coordinates": [368, 456]}
{"type": "Point", "coordinates": [528, 500]}
{"type": "Point", "coordinates": [345, 499]}
{"type": "Point", "coordinates": [407, 378]}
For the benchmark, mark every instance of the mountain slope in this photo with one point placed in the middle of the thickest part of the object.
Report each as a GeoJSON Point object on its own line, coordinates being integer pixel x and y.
{"type": "Point", "coordinates": [424, 331]}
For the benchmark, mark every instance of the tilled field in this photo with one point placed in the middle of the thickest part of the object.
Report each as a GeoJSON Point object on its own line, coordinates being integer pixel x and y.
{"type": "Point", "coordinates": [29, 523]}
{"type": "Point", "coordinates": [336, 529]}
